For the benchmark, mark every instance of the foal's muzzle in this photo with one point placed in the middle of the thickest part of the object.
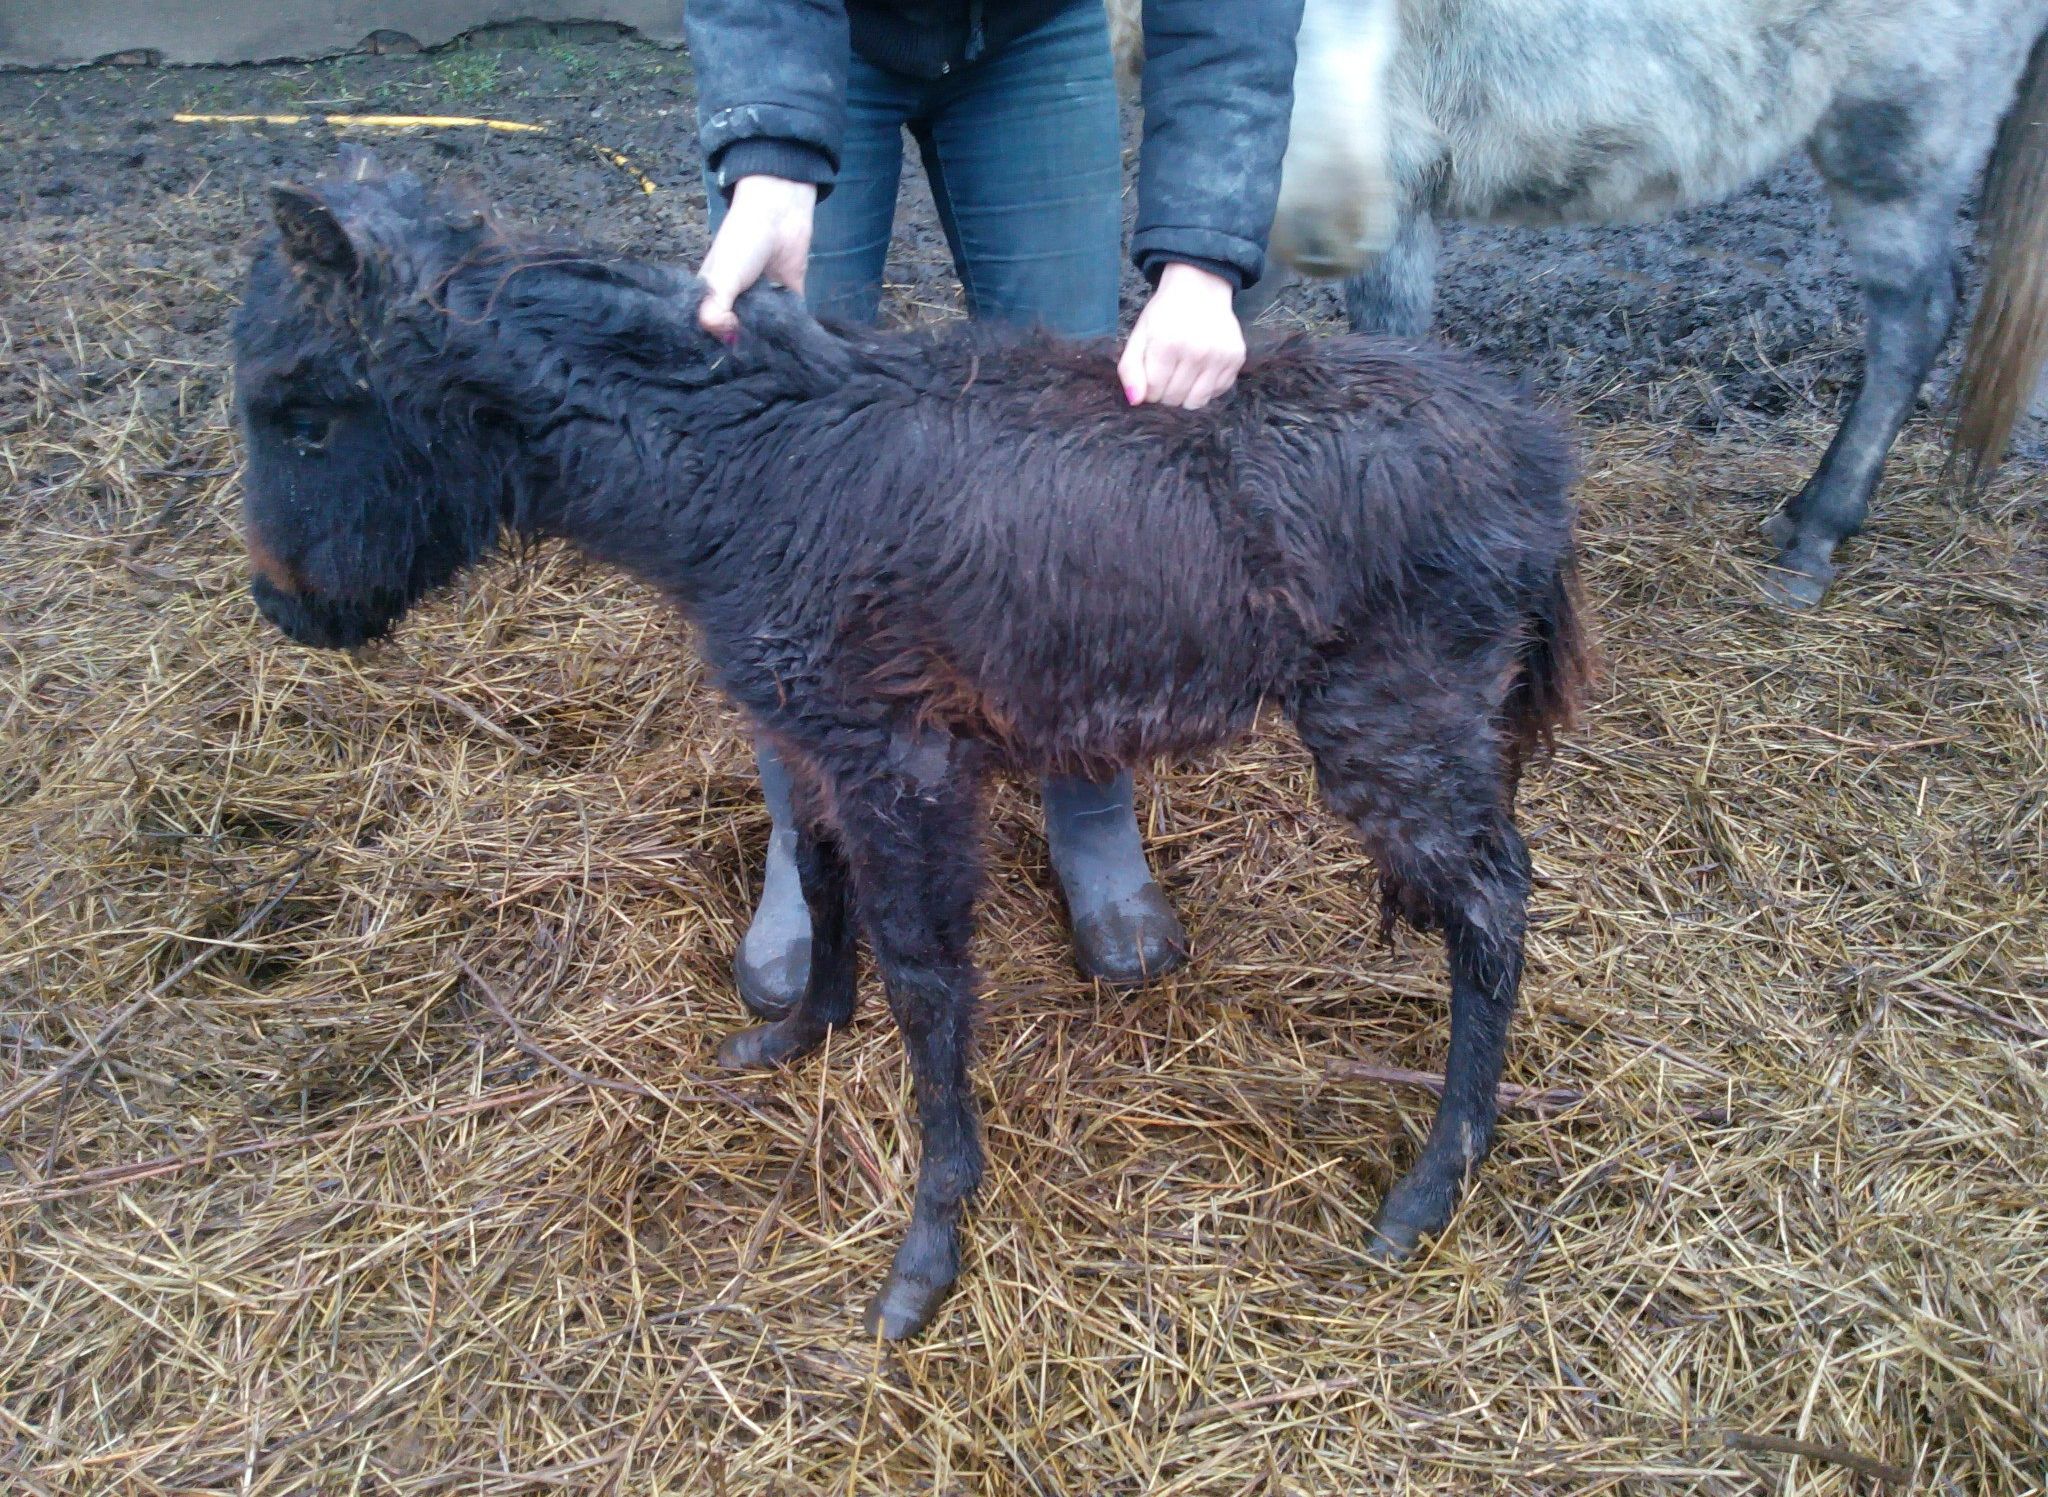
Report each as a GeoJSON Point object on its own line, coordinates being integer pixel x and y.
{"type": "Point", "coordinates": [322, 622]}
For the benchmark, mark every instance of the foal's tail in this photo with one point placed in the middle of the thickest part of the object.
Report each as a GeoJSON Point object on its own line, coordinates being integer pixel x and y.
{"type": "Point", "coordinates": [2008, 342]}
{"type": "Point", "coordinates": [1554, 669]}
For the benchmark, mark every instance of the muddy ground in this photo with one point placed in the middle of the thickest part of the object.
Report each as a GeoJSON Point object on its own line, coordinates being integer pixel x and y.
{"type": "Point", "coordinates": [1730, 316]}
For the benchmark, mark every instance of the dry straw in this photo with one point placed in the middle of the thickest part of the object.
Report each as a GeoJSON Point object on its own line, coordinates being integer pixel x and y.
{"type": "Point", "coordinates": [360, 1132]}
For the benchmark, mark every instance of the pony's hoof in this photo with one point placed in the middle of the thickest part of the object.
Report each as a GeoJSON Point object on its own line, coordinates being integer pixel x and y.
{"type": "Point", "coordinates": [903, 1308]}
{"type": "Point", "coordinates": [1792, 582]}
{"type": "Point", "coordinates": [1256, 300]}
{"type": "Point", "coordinates": [1800, 575]}
{"type": "Point", "coordinates": [1323, 265]}
{"type": "Point", "coordinates": [762, 1047]}
{"type": "Point", "coordinates": [765, 999]}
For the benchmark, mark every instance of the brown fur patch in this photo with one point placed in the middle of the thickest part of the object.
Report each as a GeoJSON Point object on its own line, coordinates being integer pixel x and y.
{"type": "Point", "coordinates": [271, 567]}
{"type": "Point", "coordinates": [940, 696]}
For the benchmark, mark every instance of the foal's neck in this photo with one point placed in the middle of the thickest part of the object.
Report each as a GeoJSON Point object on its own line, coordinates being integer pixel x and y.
{"type": "Point", "coordinates": [632, 420]}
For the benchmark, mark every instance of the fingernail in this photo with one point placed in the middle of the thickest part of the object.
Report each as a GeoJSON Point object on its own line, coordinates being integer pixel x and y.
{"type": "Point", "coordinates": [1131, 394]}
{"type": "Point", "coordinates": [730, 338]}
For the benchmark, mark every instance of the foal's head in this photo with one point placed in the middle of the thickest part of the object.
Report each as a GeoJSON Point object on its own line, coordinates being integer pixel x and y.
{"type": "Point", "coordinates": [365, 486]}
{"type": "Point", "coordinates": [410, 381]}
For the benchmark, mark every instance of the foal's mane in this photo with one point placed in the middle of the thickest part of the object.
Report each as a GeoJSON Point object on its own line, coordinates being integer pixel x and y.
{"type": "Point", "coordinates": [473, 269]}
{"type": "Point", "coordinates": [619, 298]}
{"type": "Point", "coordinates": [776, 327]}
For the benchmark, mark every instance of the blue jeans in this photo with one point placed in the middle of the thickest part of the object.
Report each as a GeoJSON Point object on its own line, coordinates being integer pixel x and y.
{"type": "Point", "coordinates": [1026, 166]}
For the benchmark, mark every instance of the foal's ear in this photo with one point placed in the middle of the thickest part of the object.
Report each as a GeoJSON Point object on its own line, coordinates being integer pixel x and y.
{"type": "Point", "coordinates": [313, 236]}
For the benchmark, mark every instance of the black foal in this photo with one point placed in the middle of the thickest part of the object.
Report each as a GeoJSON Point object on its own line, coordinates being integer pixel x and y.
{"type": "Point", "coordinates": [912, 558]}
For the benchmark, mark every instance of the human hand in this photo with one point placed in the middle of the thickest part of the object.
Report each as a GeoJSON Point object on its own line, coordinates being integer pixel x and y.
{"type": "Point", "coordinates": [1187, 346]}
{"type": "Point", "coordinates": [767, 231]}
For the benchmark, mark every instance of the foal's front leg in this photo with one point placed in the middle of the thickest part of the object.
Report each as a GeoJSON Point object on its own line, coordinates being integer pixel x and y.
{"type": "Point", "coordinates": [912, 841]}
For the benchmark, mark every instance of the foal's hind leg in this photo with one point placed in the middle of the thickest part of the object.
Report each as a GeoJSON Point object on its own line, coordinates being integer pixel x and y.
{"type": "Point", "coordinates": [1417, 768]}
{"type": "Point", "coordinates": [1897, 176]}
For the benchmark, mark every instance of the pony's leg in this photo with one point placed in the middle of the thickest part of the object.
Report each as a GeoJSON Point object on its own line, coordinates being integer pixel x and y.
{"type": "Point", "coordinates": [1336, 201]}
{"type": "Point", "coordinates": [1256, 300]}
{"type": "Point", "coordinates": [1896, 178]}
{"type": "Point", "coordinates": [832, 985]}
{"type": "Point", "coordinates": [1420, 774]}
{"type": "Point", "coordinates": [910, 828]}
{"type": "Point", "coordinates": [1396, 292]}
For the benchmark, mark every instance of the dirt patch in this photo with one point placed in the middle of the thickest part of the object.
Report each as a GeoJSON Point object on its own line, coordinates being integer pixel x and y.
{"type": "Point", "coordinates": [424, 1180]}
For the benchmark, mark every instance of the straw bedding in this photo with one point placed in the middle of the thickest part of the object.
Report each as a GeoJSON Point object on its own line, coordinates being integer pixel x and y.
{"type": "Point", "coordinates": [360, 1131]}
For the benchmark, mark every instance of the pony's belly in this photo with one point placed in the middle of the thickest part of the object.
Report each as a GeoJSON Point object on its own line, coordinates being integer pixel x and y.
{"type": "Point", "coordinates": [1596, 170]}
{"type": "Point", "coordinates": [1611, 111]}
{"type": "Point", "coordinates": [1602, 177]}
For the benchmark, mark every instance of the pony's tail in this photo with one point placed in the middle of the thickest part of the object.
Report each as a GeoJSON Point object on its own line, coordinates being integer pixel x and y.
{"type": "Point", "coordinates": [2008, 342]}
{"type": "Point", "coordinates": [1553, 672]}
{"type": "Point", "coordinates": [1127, 43]}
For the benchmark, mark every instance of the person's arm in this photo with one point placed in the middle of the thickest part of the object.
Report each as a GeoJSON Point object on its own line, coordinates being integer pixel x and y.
{"type": "Point", "coordinates": [1218, 90]}
{"type": "Point", "coordinates": [771, 87]}
{"type": "Point", "coordinates": [771, 114]}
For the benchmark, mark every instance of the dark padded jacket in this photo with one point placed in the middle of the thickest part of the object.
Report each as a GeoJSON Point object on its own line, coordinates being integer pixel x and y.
{"type": "Point", "coordinates": [1218, 88]}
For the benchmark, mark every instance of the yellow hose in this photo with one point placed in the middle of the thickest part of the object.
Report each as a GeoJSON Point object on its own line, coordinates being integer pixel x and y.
{"type": "Point", "coordinates": [420, 122]}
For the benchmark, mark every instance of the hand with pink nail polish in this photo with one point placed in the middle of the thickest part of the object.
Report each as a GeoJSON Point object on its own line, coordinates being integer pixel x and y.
{"type": "Point", "coordinates": [1187, 346]}
{"type": "Point", "coordinates": [767, 231]}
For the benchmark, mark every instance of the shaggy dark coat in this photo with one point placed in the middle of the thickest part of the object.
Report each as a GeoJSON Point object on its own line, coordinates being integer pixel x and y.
{"type": "Point", "coordinates": [909, 556]}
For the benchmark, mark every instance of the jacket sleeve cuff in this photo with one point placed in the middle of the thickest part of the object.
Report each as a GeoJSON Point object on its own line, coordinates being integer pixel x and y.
{"type": "Point", "coordinates": [1156, 262]}
{"type": "Point", "coordinates": [1238, 261]}
{"type": "Point", "coordinates": [791, 160]}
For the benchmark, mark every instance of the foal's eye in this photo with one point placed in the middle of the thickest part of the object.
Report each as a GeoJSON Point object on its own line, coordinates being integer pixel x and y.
{"type": "Point", "coordinates": [308, 430]}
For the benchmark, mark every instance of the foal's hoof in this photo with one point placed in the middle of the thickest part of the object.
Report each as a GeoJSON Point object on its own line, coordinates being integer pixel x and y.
{"type": "Point", "coordinates": [764, 1046]}
{"type": "Point", "coordinates": [1393, 1242]}
{"type": "Point", "coordinates": [903, 1308]}
{"type": "Point", "coordinates": [1412, 1211]}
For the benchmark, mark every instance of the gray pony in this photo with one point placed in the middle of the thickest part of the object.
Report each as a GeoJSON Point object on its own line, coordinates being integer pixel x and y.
{"type": "Point", "coordinates": [1546, 112]}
